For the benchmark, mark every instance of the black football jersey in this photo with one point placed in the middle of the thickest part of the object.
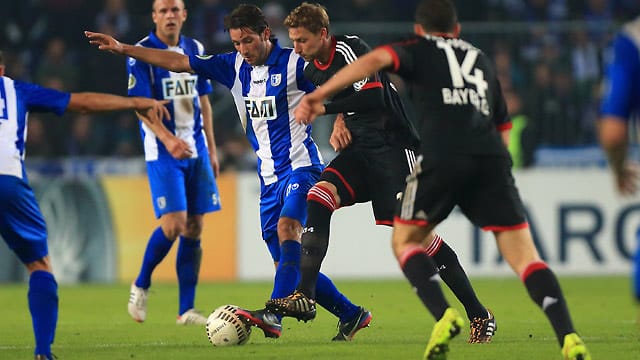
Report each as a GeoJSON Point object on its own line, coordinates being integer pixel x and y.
{"type": "Point", "coordinates": [387, 122]}
{"type": "Point", "coordinates": [457, 96]}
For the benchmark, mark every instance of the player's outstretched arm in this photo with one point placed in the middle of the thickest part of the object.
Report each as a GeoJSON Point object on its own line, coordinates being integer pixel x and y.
{"type": "Point", "coordinates": [96, 102]}
{"type": "Point", "coordinates": [309, 107]}
{"type": "Point", "coordinates": [165, 59]}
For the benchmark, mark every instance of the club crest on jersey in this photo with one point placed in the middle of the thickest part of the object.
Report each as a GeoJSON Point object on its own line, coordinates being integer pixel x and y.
{"type": "Point", "coordinates": [179, 87]}
{"type": "Point", "coordinates": [132, 82]}
{"type": "Point", "coordinates": [161, 202]}
{"type": "Point", "coordinates": [276, 79]}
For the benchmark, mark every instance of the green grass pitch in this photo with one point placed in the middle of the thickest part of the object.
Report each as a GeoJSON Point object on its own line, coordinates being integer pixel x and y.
{"type": "Point", "coordinates": [94, 323]}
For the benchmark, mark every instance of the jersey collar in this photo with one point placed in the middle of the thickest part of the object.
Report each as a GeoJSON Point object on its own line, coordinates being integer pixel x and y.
{"type": "Point", "coordinates": [321, 66]}
{"type": "Point", "coordinates": [159, 44]}
{"type": "Point", "coordinates": [272, 59]}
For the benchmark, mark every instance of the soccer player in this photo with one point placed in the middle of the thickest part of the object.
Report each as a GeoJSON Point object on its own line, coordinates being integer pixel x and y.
{"type": "Point", "coordinates": [266, 82]}
{"type": "Point", "coordinates": [372, 164]}
{"type": "Point", "coordinates": [464, 162]}
{"type": "Point", "coordinates": [22, 225]}
{"type": "Point", "coordinates": [182, 191]}
{"type": "Point", "coordinates": [620, 104]}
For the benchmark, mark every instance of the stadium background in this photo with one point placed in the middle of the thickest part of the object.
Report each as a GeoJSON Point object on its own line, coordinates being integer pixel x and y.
{"type": "Point", "coordinates": [89, 174]}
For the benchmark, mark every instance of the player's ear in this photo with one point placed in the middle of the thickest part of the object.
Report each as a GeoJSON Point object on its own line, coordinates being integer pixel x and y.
{"type": "Point", "coordinates": [456, 30]}
{"type": "Point", "coordinates": [419, 30]}
{"type": "Point", "coordinates": [1, 70]}
{"type": "Point", "coordinates": [266, 34]}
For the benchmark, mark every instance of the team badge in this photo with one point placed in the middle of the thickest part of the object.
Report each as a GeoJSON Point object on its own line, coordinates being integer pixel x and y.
{"type": "Point", "coordinates": [204, 57]}
{"type": "Point", "coordinates": [161, 202]}
{"type": "Point", "coordinates": [276, 79]}
{"type": "Point", "coordinates": [132, 82]}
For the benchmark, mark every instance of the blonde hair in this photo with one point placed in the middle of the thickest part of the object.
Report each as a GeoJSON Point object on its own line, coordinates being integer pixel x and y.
{"type": "Point", "coordinates": [312, 17]}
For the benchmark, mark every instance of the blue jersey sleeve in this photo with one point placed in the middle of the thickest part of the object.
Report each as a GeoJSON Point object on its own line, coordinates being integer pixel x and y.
{"type": "Point", "coordinates": [41, 99]}
{"type": "Point", "coordinates": [220, 68]}
{"type": "Point", "coordinates": [139, 83]}
{"type": "Point", "coordinates": [622, 79]}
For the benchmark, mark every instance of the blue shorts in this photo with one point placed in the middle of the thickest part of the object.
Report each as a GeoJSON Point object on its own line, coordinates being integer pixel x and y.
{"type": "Point", "coordinates": [22, 225]}
{"type": "Point", "coordinates": [179, 185]}
{"type": "Point", "coordinates": [285, 198]}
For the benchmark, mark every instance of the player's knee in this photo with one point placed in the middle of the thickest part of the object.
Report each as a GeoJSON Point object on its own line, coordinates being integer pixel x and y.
{"type": "Point", "coordinates": [41, 264]}
{"type": "Point", "coordinates": [193, 228]}
{"type": "Point", "coordinates": [325, 194]}
{"type": "Point", "coordinates": [289, 229]}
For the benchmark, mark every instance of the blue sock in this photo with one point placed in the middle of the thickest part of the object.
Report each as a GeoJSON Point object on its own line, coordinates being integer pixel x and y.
{"type": "Point", "coordinates": [328, 296]}
{"type": "Point", "coordinates": [157, 248]}
{"type": "Point", "coordinates": [188, 267]}
{"type": "Point", "coordinates": [288, 271]}
{"type": "Point", "coordinates": [43, 305]}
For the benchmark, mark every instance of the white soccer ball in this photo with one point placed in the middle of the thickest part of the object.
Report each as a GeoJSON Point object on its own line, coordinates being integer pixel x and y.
{"type": "Point", "coordinates": [224, 327]}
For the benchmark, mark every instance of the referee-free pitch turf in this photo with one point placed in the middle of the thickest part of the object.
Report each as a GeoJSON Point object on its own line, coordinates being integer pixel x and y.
{"type": "Point", "coordinates": [94, 324]}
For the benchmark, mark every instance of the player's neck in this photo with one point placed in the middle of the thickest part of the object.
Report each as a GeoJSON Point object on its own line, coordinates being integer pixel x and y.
{"type": "Point", "coordinates": [170, 41]}
{"type": "Point", "coordinates": [325, 53]}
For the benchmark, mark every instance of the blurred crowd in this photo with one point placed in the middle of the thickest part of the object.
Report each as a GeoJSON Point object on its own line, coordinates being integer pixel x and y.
{"type": "Point", "coordinates": [550, 56]}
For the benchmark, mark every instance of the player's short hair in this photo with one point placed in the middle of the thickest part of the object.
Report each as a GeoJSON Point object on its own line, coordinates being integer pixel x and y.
{"type": "Point", "coordinates": [1, 58]}
{"type": "Point", "coordinates": [246, 16]}
{"type": "Point", "coordinates": [312, 17]}
{"type": "Point", "coordinates": [437, 15]}
{"type": "Point", "coordinates": [153, 5]}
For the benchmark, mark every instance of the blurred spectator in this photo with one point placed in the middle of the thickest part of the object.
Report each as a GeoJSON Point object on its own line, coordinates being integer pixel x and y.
{"type": "Point", "coordinates": [275, 13]}
{"type": "Point", "coordinates": [80, 140]}
{"type": "Point", "coordinates": [207, 24]}
{"type": "Point", "coordinates": [508, 71]}
{"type": "Point", "coordinates": [125, 136]}
{"type": "Point", "coordinates": [58, 63]}
{"type": "Point", "coordinates": [585, 61]}
{"type": "Point", "coordinates": [114, 17]}
{"type": "Point", "coordinates": [38, 143]}
{"type": "Point", "coordinates": [521, 136]}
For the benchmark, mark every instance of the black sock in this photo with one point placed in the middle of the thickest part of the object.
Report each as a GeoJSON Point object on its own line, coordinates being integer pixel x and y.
{"type": "Point", "coordinates": [456, 279]}
{"type": "Point", "coordinates": [315, 242]}
{"type": "Point", "coordinates": [545, 291]}
{"type": "Point", "coordinates": [420, 270]}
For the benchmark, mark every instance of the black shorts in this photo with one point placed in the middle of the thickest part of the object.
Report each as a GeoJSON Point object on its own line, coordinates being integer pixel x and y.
{"type": "Point", "coordinates": [482, 186]}
{"type": "Point", "coordinates": [371, 174]}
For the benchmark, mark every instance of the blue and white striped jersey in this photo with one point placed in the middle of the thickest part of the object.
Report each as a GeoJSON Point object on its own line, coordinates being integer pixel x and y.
{"type": "Point", "coordinates": [183, 89]}
{"type": "Point", "coordinates": [622, 84]}
{"type": "Point", "coordinates": [17, 99]}
{"type": "Point", "coordinates": [265, 97]}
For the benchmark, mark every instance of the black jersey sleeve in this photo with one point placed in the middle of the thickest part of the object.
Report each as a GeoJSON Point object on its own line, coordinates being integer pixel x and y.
{"type": "Point", "coordinates": [369, 98]}
{"type": "Point", "coordinates": [501, 115]}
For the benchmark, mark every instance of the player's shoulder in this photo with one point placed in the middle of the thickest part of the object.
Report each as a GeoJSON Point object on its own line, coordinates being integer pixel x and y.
{"type": "Point", "coordinates": [352, 43]}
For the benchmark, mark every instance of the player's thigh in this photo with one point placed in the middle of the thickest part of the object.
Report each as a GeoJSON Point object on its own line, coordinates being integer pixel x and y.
{"type": "Point", "coordinates": [429, 195]}
{"type": "Point", "coordinates": [22, 225]}
{"type": "Point", "coordinates": [348, 173]}
{"type": "Point", "coordinates": [386, 179]}
{"type": "Point", "coordinates": [293, 192]}
{"type": "Point", "coordinates": [492, 201]}
{"type": "Point", "coordinates": [201, 187]}
{"type": "Point", "coordinates": [167, 184]}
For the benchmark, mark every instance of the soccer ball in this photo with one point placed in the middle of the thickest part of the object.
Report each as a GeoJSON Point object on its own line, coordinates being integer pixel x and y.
{"type": "Point", "coordinates": [225, 328]}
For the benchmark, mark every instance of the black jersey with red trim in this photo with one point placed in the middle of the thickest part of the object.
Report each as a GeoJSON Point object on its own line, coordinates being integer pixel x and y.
{"type": "Point", "coordinates": [457, 96]}
{"type": "Point", "coordinates": [372, 108]}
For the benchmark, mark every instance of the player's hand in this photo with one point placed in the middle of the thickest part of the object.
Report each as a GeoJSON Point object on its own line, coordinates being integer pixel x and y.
{"type": "Point", "coordinates": [177, 147]}
{"type": "Point", "coordinates": [152, 109]}
{"type": "Point", "coordinates": [340, 136]}
{"type": "Point", "coordinates": [215, 164]}
{"type": "Point", "coordinates": [104, 42]}
{"type": "Point", "coordinates": [309, 108]}
{"type": "Point", "coordinates": [627, 180]}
